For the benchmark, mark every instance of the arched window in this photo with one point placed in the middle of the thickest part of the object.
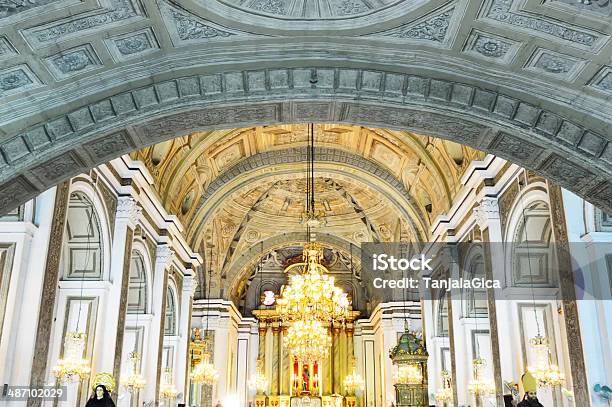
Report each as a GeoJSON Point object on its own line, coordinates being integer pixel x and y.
{"type": "Point", "coordinates": [82, 251]}
{"type": "Point", "coordinates": [532, 252]}
{"type": "Point", "coordinates": [442, 320]}
{"type": "Point", "coordinates": [137, 290]}
{"type": "Point", "coordinates": [170, 321]}
{"type": "Point", "coordinates": [475, 299]}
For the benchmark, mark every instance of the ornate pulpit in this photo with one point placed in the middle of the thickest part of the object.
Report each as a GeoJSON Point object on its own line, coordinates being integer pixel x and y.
{"type": "Point", "coordinates": [410, 356]}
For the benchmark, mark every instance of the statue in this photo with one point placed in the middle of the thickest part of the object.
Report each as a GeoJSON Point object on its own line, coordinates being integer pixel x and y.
{"type": "Point", "coordinates": [100, 398]}
{"type": "Point", "coordinates": [530, 385]}
{"type": "Point", "coordinates": [305, 378]}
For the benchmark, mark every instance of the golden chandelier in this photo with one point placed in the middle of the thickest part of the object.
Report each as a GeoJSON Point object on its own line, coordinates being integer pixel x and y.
{"type": "Point", "coordinates": [205, 371]}
{"type": "Point", "coordinates": [546, 373]}
{"type": "Point", "coordinates": [480, 386]}
{"type": "Point", "coordinates": [445, 393]}
{"type": "Point", "coordinates": [311, 294]}
{"type": "Point", "coordinates": [259, 381]}
{"type": "Point", "coordinates": [167, 389]}
{"type": "Point", "coordinates": [308, 340]}
{"type": "Point", "coordinates": [72, 367]}
{"type": "Point", "coordinates": [353, 382]}
{"type": "Point", "coordinates": [135, 381]}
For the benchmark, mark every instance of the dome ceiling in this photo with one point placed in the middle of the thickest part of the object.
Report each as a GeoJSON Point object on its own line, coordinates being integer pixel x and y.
{"type": "Point", "coordinates": [311, 9]}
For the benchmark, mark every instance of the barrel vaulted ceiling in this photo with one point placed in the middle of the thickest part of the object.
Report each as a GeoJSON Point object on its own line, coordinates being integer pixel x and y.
{"type": "Point", "coordinates": [83, 81]}
{"type": "Point", "coordinates": [236, 188]}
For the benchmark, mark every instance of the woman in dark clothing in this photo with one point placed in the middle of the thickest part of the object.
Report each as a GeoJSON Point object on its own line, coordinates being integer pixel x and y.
{"type": "Point", "coordinates": [100, 398]}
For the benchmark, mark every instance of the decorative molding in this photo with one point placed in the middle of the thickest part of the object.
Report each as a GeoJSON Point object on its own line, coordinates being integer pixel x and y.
{"type": "Point", "coordinates": [11, 7]}
{"type": "Point", "coordinates": [17, 79]}
{"type": "Point", "coordinates": [432, 27]}
{"type": "Point", "coordinates": [555, 64]}
{"type": "Point", "coordinates": [73, 61]}
{"type": "Point", "coordinates": [118, 12]}
{"type": "Point", "coordinates": [312, 9]}
{"type": "Point", "coordinates": [128, 209]}
{"type": "Point", "coordinates": [491, 47]}
{"type": "Point", "coordinates": [465, 113]}
{"type": "Point", "coordinates": [603, 80]}
{"type": "Point", "coordinates": [163, 256]}
{"type": "Point", "coordinates": [505, 11]}
{"type": "Point", "coordinates": [185, 27]}
{"type": "Point", "coordinates": [133, 44]}
{"type": "Point", "coordinates": [487, 210]}
{"type": "Point", "coordinates": [6, 48]}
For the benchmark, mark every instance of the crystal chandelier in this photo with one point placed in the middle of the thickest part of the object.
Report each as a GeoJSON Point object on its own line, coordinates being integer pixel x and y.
{"type": "Point", "coordinates": [205, 371]}
{"type": "Point", "coordinates": [408, 374]}
{"type": "Point", "coordinates": [546, 373]}
{"type": "Point", "coordinates": [311, 293]}
{"type": "Point", "coordinates": [445, 393]}
{"type": "Point", "coordinates": [167, 389]}
{"type": "Point", "coordinates": [135, 381]}
{"type": "Point", "coordinates": [353, 382]}
{"type": "Point", "coordinates": [72, 367]}
{"type": "Point", "coordinates": [259, 382]}
{"type": "Point", "coordinates": [480, 386]}
{"type": "Point", "coordinates": [308, 340]}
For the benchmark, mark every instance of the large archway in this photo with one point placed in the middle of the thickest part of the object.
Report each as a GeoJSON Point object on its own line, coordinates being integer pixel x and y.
{"type": "Point", "coordinates": [528, 81]}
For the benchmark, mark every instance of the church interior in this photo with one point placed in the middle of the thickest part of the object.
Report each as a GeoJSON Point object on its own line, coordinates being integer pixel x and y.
{"type": "Point", "coordinates": [196, 198]}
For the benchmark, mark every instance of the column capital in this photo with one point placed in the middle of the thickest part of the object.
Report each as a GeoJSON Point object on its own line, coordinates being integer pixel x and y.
{"type": "Point", "coordinates": [163, 255]}
{"type": "Point", "coordinates": [487, 210]}
{"type": "Point", "coordinates": [128, 209]}
{"type": "Point", "coordinates": [190, 284]}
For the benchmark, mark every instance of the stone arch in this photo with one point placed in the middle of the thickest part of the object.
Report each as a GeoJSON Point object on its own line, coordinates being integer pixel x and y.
{"type": "Point", "coordinates": [555, 140]}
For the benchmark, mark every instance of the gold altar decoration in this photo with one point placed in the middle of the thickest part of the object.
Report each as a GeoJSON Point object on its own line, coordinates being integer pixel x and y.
{"type": "Point", "coordinates": [72, 367]}
{"type": "Point", "coordinates": [545, 372]}
{"type": "Point", "coordinates": [204, 372]}
{"type": "Point", "coordinates": [311, 294]}
{"type": "Point", "coordinates": [135, 381]}
{"type": "Point", "coordinates": [444, 394]}
{"type": "Point", "coordinates": [410, 355]}
{"type": "Point", "coordinates": [353, 382]}
{"type": "Point", "coordinates": [308, 340]}
{"type": "Point", "coordinates": [480, 386]}
{"type": "Point", "coordinates": [167, 389]}
{"type": "Point", "coordinates": [105, 379]}
{"type": "Point", "coordinates": [259, 382]}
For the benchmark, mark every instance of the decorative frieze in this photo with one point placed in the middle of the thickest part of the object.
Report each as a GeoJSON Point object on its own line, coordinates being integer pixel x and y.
{"type": "Point", "coordinates": [73, 61]}
{"type": "Point", "coordinates": [505, 12]}
{"type": "Point", "coordinates": [603, 80]}
{"type": "Point", "coordinates": [555, 64]}
{"type": "Point", "coordinates": [18, 78]}
{"type": "Point", "coordinates": [490, 46]}
{"type": "Point", "coordinates": [433, 27]}
{"type": "Point", "coordinates": [134, 44]}
{"type": "Point", "coordinates": [11, 7]}
{"type": "Point", "coordinates": [118, 12]}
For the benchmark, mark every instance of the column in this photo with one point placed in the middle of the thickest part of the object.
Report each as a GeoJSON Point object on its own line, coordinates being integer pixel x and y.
{"type": "Point", "coordinates": [285, 365]}
{"type": "Point", "coordinates": [275, 358]}
{"type": "Point", "coordinates": [487, 216]}
{"type": "Point", "coordinates": [49, 289]}
{"type": "Point", "coordinates": [180, 371]}
{"type": "Point", "coordinates": [116, 305]}
{"type": "Point", "coordinates": [327, 379]}
{"type": "Point", "coordinates": [568, 294]}
{"type": "Point", "coordinates": [456, 335]}
{"type": "Point", "coordinates": [163, 258]}
{"type": "Point", "coordinates": [336, 361]}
